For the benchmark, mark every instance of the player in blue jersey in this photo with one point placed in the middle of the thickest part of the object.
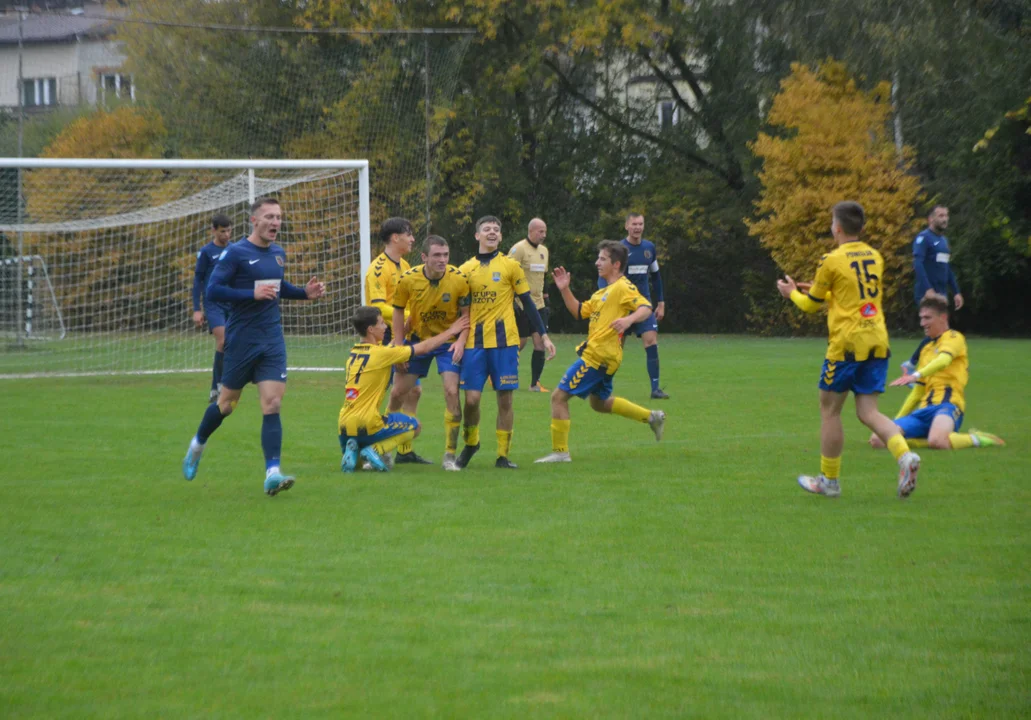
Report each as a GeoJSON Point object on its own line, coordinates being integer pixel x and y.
{"type": "Point", "coordinates": [931, 257]}
{"type": "Point", "coordinates": [215, 313]}
{"type": "Point", "coordinates": [643, 271]}
{"type": "Point", "coordinates": [250, 276]}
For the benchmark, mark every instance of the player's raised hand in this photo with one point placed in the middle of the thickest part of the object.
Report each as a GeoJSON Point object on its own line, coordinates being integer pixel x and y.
{"type": "Point", "coordinates": [198, 319]}
{"type": "Point", "coordinates": [786, 286]}
{"type": "Point", "coordinates": [265, 292]}
{"type": "Point", "coordinates": [561, 278]}
{"type": "Point", "coordinates": [314, 289]}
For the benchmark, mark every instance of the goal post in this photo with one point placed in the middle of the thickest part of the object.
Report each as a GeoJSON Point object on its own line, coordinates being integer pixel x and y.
{"type": "Point", "coordinates": [109, 248]}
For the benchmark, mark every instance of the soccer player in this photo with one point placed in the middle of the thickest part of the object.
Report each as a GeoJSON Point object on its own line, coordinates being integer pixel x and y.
{"type": "Point", "coordinates": [933, 413]}
{"type": "Point", "coordinates": [612, 310]}
{"type": "Point", "coordinates": [532, 256]}
{"type": "Point", "coordinates": [643, 271]}
{"type": "Point", "coordinates": [215, 313]}
{"type": "Point", "coordinates": [492, 349]}
{"type": "Point", "coordinates": [250, 276]}
{"type": "Point", "coordinates": [849, 283]}
{"type": "Point", "coordinates": [380, 284]}
{"type": "Point", "coordinates": [931, 256]}
{"type": "Point", "coordinates": [362, 429]}
{"type": "Point", "coordinates": [433, 295]}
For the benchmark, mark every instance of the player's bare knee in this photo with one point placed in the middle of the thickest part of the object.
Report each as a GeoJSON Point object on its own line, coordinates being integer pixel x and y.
{"type": "Point", "coordinates": [938, 442]}
{"type": "Point", "coordinates": [226, 406]}
{"type": "Point", "coordinates": [599, 405]}
{"type": "Point", "coordinates": [415, 393]}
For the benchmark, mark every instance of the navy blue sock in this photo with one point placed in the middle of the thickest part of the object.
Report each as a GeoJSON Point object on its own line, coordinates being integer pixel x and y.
{"type": "Point", "coordinates": [271, 439]}
{"type": "Point", "coordinates": [653, 365]}
{"type": "Point", "coordinates": [213, 417]}
{"type": "Point", "coordinates": [536, 366]}
{"type": "Point", "coordinates": [216, 370]}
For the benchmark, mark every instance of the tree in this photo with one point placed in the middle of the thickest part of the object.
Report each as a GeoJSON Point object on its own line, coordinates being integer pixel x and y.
{"type": "Point", "coordinates": [833, 144]}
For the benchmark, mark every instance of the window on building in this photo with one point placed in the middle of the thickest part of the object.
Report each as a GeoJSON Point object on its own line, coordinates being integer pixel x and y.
{"type": "Point", "coordinates": [39, 92]}
{"type": "Point", "coordinates": [669, 114]}
{"type": "Point", "coordinates": [117, 86]}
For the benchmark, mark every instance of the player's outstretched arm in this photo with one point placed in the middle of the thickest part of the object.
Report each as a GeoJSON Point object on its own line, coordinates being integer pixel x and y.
{"type": "Point", "coordinates": [398, 331]}
{"type": "Point", "coordinates": [562, 279]}
{"type": "Point", "coordinates": [940, 362]}
{"type": "Point", "coordinates": [458, 348]}
{"type": "Point", "coordinates": [457, 327]}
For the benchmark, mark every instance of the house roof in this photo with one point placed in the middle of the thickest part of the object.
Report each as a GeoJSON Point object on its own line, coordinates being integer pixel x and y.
{"type": "Point", "coordinates": [53, 28]}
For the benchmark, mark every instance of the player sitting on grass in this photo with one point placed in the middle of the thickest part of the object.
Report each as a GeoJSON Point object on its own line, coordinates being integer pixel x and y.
{"type": "Point", "coordinates": [612, 310]}
{"type": "Point", "coordinates": [938, 388]}
{"type": "Point", "coordinates": [362, 429]}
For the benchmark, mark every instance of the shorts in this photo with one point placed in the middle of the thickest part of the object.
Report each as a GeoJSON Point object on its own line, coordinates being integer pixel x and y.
{"type": "Point", "coordinates": [215, 314]}
{"type": "Point", "coordinates": [649, 324]}
{"type": "Point", "coordinates": [523, 323]}
{"type": "Point", "coordinates": [393, 424]}
{"type": "Point", "coordinates": [918, 423]}
{"type": "Point", "coordinates": [500, 364]}
{"type": "Point", "coordinates": [582, 380]}
{"type": "Point", "coordinates": [253, 362]}
{"type": "Point", "coordinates": [420, 364]}
{"type": "Point", "coordinates": [863, 377]}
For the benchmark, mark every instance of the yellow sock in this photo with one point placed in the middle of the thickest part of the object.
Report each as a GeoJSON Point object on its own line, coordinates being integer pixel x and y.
{"type": "Point", "coordinates": [898, 445]}
{"type": "Point", "coordinates": [394, 442]}
{"type": "Point", "coordinates": [917, 442]}
{"type": "Point", "coordinates": [830, 468]}
{"type": "Point", "coordinates": [405, 447]}
{"type": "Point", "coordinates": [504, 442]}
{"type": "Point", "coordinates": [560, 435]}
{"type": "Point", "coordinates": [472, 434]}
{"type": "Point", "coordinates": [451, 427]}
{"type": "Point", "coordinates": [628, 410]}
{"type": "Point", "coordinates": [961, 441]}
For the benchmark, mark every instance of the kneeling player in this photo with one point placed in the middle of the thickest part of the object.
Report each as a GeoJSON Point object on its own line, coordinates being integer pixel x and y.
{"type": "Point", "coordinates": [612, 310]}
{"type": "Point", "coordinates": [362, 429]}
{"type": "Point", "coordinates": [933, 412]}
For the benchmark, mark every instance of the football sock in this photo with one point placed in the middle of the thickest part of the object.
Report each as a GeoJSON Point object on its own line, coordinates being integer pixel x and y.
{"type": "Point", "coordinates": [536, 366]}
{"type": "Point", "coordinates": [628, 410]}
{"type": "Point", "coordinates": [830, 468]}
{"type": "Point", "coordinates": [962, 441]}
{"type": "Point", "coordinates": [271, 439]}
{"type": "Point", "coordinates": [405, 447]}
{"type": "Point", "coordinates": [653, 365]}
{"type": "Point", "coordinates": [209, 423]}
{"type": "Point", "coordinates": [472, 434]}
{"type": "Point", "coordinates": [397, 441]}
{"type": "Point", "coordinates": [898, 445]}
{"type": "Point", "coordinates": [504, 442]}
{"type": "Point", "coordinates": [451, 427]}
{"type": "Point", "coordinates": [917, 442]}
{"type": "Point", "coordinates": [560, 435]}
{"type": "Point", "coordinates": [216, 370]}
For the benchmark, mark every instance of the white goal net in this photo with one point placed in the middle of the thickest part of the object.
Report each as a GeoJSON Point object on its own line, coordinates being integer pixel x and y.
{"type": "Point", "coordinates": [97, 263]}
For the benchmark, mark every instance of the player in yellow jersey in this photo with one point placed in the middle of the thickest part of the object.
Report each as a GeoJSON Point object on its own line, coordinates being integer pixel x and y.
{"type": "Point", "coordinates": [612, 310]}
{"type": "Point", "coordinates": [492, 349]}
{"type": "Point", "coordinates": [849, 283]}
{"type": "Point", "coordinates": [362, 429]}
{"type": "Point", "coordinates": [434, 294]}
{"type": "Point", "coordinates": [381, 281]}
{"type": "Point", "coordinates": [532, 255]}
{"type": "Point", "coordinates": [933, 413]}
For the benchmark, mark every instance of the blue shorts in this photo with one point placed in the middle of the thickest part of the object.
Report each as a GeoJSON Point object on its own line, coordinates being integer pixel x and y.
{"type": "Point", "coordinates": [420, 364]}
{"type": "Point", "coordinates": [393, 424]}
{"type": "Point", "coordinates": [918, 423]}
{"type": "Point", "coordinates": [215, 314]}
{"type": "Point", "coordinates": [253, 362]}
{"type": "Point", "coordinates": [649, 324]}
{"type": "Point", "coordinates": [863, 377]}
{"type": "Point", "coordinates": [500, 364]}
{"type": "Point", "coordinates": [581, 380]}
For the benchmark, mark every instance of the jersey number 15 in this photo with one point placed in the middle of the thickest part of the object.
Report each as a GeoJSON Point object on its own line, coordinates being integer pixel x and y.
{"type": "Point", "coordinates": [866, 281]}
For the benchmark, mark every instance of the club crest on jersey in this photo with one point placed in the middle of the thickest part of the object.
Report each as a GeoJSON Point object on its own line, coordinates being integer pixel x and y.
{"type": "Point", "coordinates": [497, 277]}
{"type": "Point", "coordinates": [868, 310]}
{"type": "Point", "coordinates": [647, 254]}
{"type": "Point", "coordinates": [351, 394]}
{"type": "Point", "coordinates": [279, 260]}
{"type": "Point", "coordinates": [446, 297]}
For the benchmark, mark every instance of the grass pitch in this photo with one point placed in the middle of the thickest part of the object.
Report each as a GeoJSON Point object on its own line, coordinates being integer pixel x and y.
{"type": "Point", "coordinates": [691, 578]}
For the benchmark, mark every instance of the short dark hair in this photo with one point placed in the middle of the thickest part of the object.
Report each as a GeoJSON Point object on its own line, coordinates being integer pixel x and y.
{"type": "Point", "coordinates": [364, 318]}
{"type": "Point", "coordinates": [631, 216]}
{"type": "Point", "coordinates": [850, 217]}
{"type": "Point", "coordinates": [432, 240]}
{"type": "Point", "coordinates": [221, 220]}
{"type": "Point", "coordinates": [257, 204]}
{"type": "Point", "coordinates": [393, 226]}
{"type": "Point", "coordinates": [617, 252]}
{"type": "Point", "coordinates": [943, 207]}
{"type": "Point", "coordinates": [935, 302]}
{"type": "Point", "coordinates": [486, 219]}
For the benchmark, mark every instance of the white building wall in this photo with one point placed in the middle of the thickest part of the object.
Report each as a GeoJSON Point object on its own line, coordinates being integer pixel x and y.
{"type": "Point", "coordinates": [76, 66]}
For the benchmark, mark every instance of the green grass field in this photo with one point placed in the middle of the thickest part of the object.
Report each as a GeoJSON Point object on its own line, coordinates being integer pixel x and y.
{"type": "Point", "coordinates": [691, 578]}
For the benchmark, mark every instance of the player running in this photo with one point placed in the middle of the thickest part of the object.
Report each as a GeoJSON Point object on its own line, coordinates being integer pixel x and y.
{"type": "Point", "coordinates": [849, 281]}
{"type": "Point", "coordinates": [363, 431]}
{"type": "Point", "coordinates": [532, 255]}
{"type": "Point", "coordinates": [612, 310]}
{"type": "Point", "coordinates": [250, 276]}
{"type": "Point", "coordinates": [433, 295]}
{"type": "Point", "coordinates": [215, 313]}
{"type": "Point", "coordinates": [933, 413]}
